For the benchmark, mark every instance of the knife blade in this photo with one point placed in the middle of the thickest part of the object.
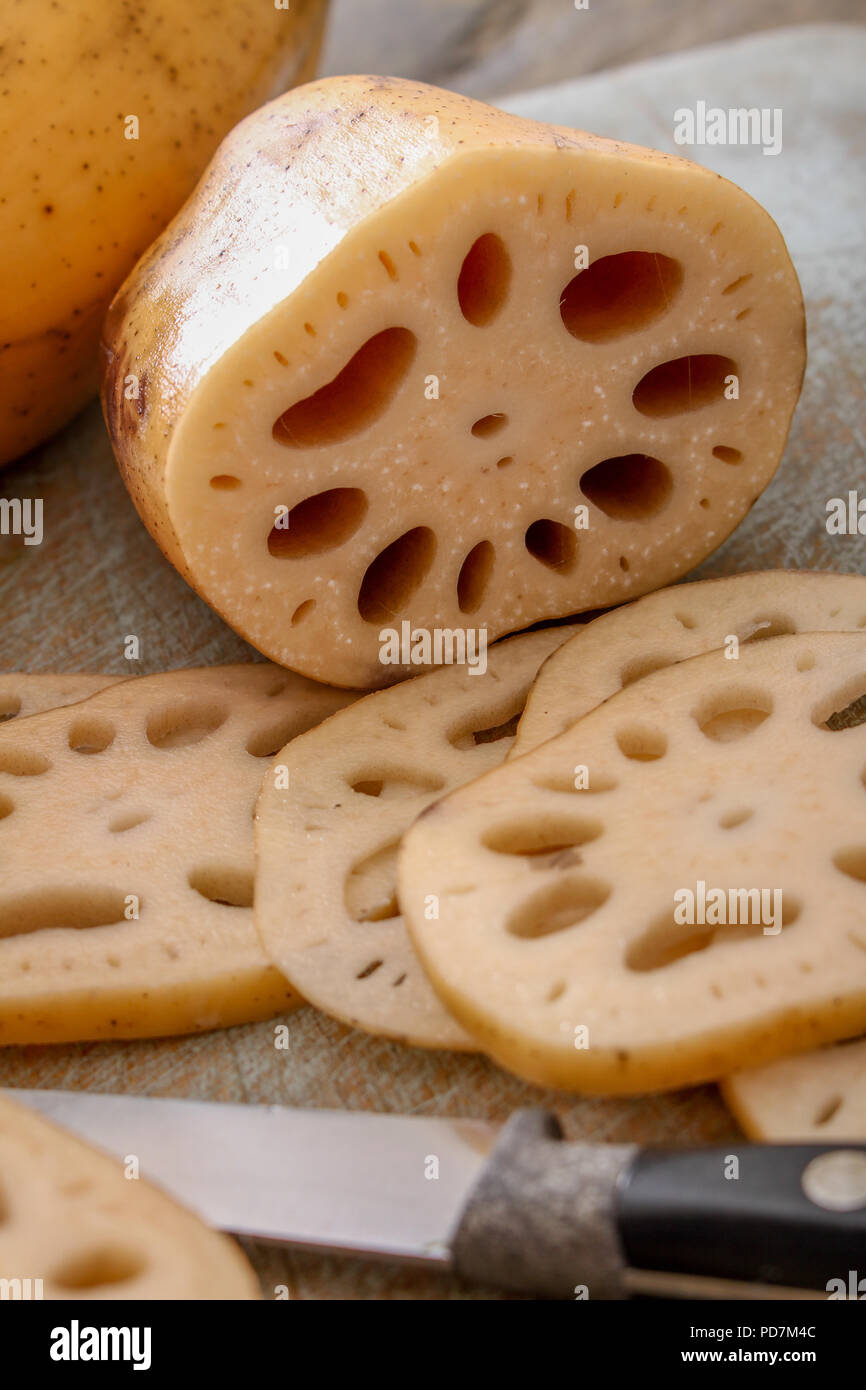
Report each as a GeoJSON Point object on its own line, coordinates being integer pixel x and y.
{"type": "Point", "coordinates": [517, 1207]}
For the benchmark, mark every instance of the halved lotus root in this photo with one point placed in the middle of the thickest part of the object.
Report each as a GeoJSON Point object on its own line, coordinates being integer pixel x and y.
{"type": "Point", "coordinates": [815, 1098]}
{"type": "Point", "coordinates": [71, 1219]}
{"type": "Point", "coordinates": [564, 878]}
{"type": "Point", "coordinates": [23, 693]}
{"type": "Point", "coordinates": [326, 844]}
{"type": "Point", "coordinates": [126, 839]}
{"type": "Point", "coordinates": [405, 357]}
{"type": "Point", "coordinates": [672, 624]}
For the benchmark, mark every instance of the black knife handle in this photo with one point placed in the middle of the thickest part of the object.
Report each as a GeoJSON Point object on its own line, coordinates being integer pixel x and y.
{"type": "Point", "coordinates": [762, 1214]}
{"type": "Point", "coordinates": [573, 1220]}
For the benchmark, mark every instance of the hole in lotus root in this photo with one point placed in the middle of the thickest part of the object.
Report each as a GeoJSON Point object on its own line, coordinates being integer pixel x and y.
{"type": "Point", "coordinates": [398, 786]}
{"type": "Point", "coordinates": [731, 819]}
{"type": "Point", "coordinates": [727, 454]}
{"type": "Point", "coordinates": [642, 666]}
{"type": "Point", "coordinates": [356, 397]}
{"type": "Point", "coordinates": [556, 908]}
{"type": "Point", "coordinates": [553, 782]}
{"type": "Point", "coordinates": [761, 628]}
{"type": "Point", "coordinates": [18, 762]}
{"type": "Point", "coordinates": [552, 544]}
{"type": "Point", "coordinates": [225, 482]}
{"type": "Point", "coordinates": [128, 821]}
{"type": "Point", "coordinates": [489, 424]}
{"type": "Point", "coordinates": [474, 576]}
{"type": "Point", "coordinates": [90, 735]}
{"type": "Point", "coordinates": [50, 909]}
{"type": "Point", "coordinates": [371, 893]}
{"type": "Point", "coordinates": [544, 835]}
{"type": "Point", "coordinates": [97, 1268]}
{"type": "Point", "coordinates": [10, 706]}
{"type": "Point", "coordinates": [179, 726]}
{"type": "Point", "coordinates": [484, 280]}
{"type": "Point", "coordinates": [397, 571]}
{"type": "Point", "coordinates": [642, 744]}
{"type": "Point", "coordinates": [303, 611]}
{"type": "Point", "coordinates": [619, 294]}
{"type": "Point", "coordinates": [667, 941]}
{"type": "Point", "coordinates": [465, 738]}
{"type": "Point", "coordinates": [852, 862]}
{"type": "Point", "coordinates": [728, 715]}
{"type": "Point", "coordinates": [318, 523]}
{"type": "Point", "coordinates": [222, 884]}
{"type": "Point", "coordinates": [265, 743]}
{"type": "Point", "coordinates": [7, 806]}
{"type": "Point", "coordinates": [684, 384]}
{"type": "Point", "coordinates": [628, 487]}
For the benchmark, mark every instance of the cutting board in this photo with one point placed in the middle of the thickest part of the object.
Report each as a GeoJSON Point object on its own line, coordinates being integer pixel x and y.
{"type": "Point", "coordinates": [69, 604]}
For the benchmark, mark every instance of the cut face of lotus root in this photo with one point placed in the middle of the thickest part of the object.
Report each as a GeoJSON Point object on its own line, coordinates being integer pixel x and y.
{"type": "Point", "coordinates": [563, 942]}
{"type": "Point", "coordinates": [814, 1098]}
{"type": "Point", "coordinates": [22, 694]}
{"type": "Point", "coordinates": [72, 1219]}
{"type": "Point", "coordinates": [326, 845]}
{"type": "Point", "coordinates": [126, 837]}
{"type": "Point", "coordinates": [663, 628]}
{"type": "Point", "coordinates": [432, 362]}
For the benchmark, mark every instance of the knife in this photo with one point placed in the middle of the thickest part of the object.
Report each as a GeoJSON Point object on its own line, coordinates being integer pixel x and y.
{"type": "Point", "coordinates": [518, 1208]}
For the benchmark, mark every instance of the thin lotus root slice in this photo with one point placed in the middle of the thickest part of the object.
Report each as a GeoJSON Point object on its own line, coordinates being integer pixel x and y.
{"type": "Point", "coordinates": [668, 626]}
{"type": "Point", "coordinates": [22, 693]}
{"type": "Point", "coordinates": [817, 1097]}
{"type": "Point", "coordinates": [140, 800]}
{"type": "Point", "coordinates": [70, 1218]}
{"type": "Point", "coordinates": [326, 847]}
{"type": "Point", "coordinates": [408, 357]}
{"type": "Point", "coordinates": [558, 908]}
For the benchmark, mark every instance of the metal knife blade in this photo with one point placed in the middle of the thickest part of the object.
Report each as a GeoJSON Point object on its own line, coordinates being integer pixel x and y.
{"type": "Point", "coordinates": [337, 1181]}
{"type": "Point", "coordinates": [520, 1208]}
